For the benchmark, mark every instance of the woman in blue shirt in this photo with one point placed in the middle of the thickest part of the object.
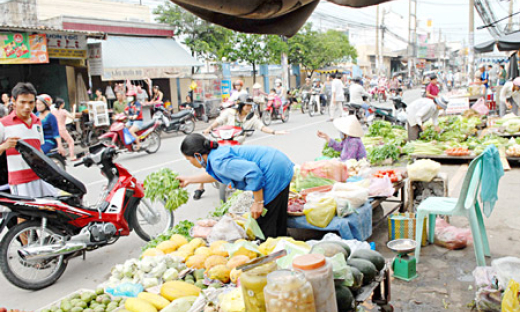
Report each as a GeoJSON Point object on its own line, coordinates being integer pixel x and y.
{"type": "Point", "coordinates": [51, 133]}
{"type": "Point", "coordinates": [265, 171]}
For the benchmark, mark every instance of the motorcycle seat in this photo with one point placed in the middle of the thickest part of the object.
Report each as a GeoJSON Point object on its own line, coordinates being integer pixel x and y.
{"type": "Point", "coordinates": [389, 110]}
{"type": "Point", "coordinates": [180, 114]}
{"type": "Point", "coordinates": [148, 125]}
{"type": "Point", "coordinates": [354, 105]}
{"type": "Point", "coordinates": [15, 197]}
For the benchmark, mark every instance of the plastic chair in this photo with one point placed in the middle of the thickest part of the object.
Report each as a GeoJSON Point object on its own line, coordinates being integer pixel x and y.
{"type": "Point", "coordinates": [466, 205]}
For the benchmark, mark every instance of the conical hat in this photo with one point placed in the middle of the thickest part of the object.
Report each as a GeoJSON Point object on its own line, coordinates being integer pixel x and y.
{"type": "Point", "coordinates": [349, 125]}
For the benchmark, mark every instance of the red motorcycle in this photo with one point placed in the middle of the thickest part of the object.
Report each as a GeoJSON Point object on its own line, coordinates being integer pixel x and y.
{"type": "Point", "coordinates": [34, 253]}
{"type": "Point", "coordinates": [226, 135]}
{"type": "Point", "coordinates": [120, 136]}
{"type": "Point", "coordinates": [272, 111]}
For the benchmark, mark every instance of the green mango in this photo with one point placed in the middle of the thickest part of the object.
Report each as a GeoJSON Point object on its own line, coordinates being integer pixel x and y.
{"type": "Point", "coordinates": [199, 274]}
{"type": "Point", "coordinates": [76, 309]}
{"type": "Point", "coordinates": [199, 284]}
{"type": "Point", "coordinates": [81, 304]}
{"type": "Point", "coordinates": [100, 291]}
{"type": "Point", "coordinates": [65, 306]}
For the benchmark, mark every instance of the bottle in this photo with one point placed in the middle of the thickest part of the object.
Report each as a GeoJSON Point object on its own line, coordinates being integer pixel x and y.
{"type": "Point", "coordinates": [319, 273]}
{"type": "Point", "coordinates": [253, 283]}
{"type": "Point", "coordinates": [288, 291]}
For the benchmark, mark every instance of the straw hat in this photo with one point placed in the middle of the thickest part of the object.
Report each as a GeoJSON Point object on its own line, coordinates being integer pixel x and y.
{"type": "Point", "coordinates": [349, 125]}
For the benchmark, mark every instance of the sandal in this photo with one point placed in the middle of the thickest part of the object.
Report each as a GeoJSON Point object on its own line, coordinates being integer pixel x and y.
{"type": "Point", "coordinates": [198, 194]}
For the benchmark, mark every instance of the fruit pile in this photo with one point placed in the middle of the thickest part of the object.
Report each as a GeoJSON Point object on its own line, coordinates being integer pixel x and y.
{"type": "Point", "coordinates": [457, 151]}
{"type": "Point", "coordinates": [88, 301]}
{"type": "Point", "coordinates": [394, 175]}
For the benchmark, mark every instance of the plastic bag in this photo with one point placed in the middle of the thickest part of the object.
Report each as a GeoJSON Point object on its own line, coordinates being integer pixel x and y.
{"type": "Point", "coordinates": [293, 251]}
{"type": "Point", "coordinates": [488, 299]}
{"type": "Point", "coordinates": [329, 169]}
{"type": "Point", "coordinates": [332, 237]}
{"type": "Point", "coordinates": [320, 213]}
{"type": "Point", "coordinates": [381, 187]}
{"type": "Point", "coordinates": [125, 290]}
{"type": "Point", "coordinates": [481, 107]}
{"type": "Point", "coordinates": [233, 248]}
{"type": "Point", "coordinates": [507, 268]}
{"type": "Point", "coordinates": [510, 301]}
{"type": "Point", "coordinates": [348, 198]}
{"type": "Point", "coordinates": [226, 229]}
{"type": "Point", "coordinates": [129, 138]}
{"type": "Point", "coordinates": [484, 276]}
{"type": "Point", "coordinates": [424, 170]}
{"type": "Point", "coordinates": [341, 270]}
{"type": "Point", "coordinates": [270, 244]}
{"type": "Point", "coordinates": [451, 237]}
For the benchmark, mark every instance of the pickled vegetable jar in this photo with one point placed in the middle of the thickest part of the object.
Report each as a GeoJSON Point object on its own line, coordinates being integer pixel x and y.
{"type": "Point", "coordinates": [253, 283]}
{"type": "Point", "coordinates": [319, 273]}
{"type": "Point", "coordinates": [288, 291]}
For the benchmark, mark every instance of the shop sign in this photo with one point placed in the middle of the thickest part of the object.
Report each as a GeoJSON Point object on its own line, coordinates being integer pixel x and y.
{"type": "Point", "coordinates": [143, 72]}
{"type": "Point", "coordinates": [36, 51]}
{"type": "Point", "coordinates": [14, 46]}
{"type": "Point", "coordinates": [225, 88]}
{"type": "Point", "coordinates": [95, 60]}
{"type": "Point", "coordinates": [73, 62]}
{"type": "Point", "coordinates": [67, 46]}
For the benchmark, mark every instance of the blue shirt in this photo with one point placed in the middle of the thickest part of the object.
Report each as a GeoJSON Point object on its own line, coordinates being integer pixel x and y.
{"type": "Point", "coordinates": [485, 76]}
{"type": "Point", "coordinates": [50, 127]}
{"type": "Point", "coordinates": [251, 168]}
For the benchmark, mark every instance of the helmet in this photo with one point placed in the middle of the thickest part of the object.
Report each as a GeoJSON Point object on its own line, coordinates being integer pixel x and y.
{"type": "Point", "coordinates": [238, 82]}
{"type": "Point", "coordinates": [245, 99]}
{"type": "Point", "coordinates": [357, 78]}
{"type": "Point", "coordinates": [308, 79]}
{"type": "Point", "coordinates": [156, 87]}
{"type": "Point", "coordinates": [516, 81]}
{"type": "Point", "coordinates": [441, 102]}
{"type": "Point", "coordinates": [45, 99]}
{"type": "Point", "coordinates": [257, 86]}
{"type": "Point", "coordinates": [278, 81]}
{"type": "Point", "coordinates": [316, 80]}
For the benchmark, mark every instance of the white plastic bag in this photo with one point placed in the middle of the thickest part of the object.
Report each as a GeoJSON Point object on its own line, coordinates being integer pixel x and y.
{"type": "Point", "coordinates": [226, 229]}
{"type": "Point", "coordinates": [381, 187]}
{"type": "Point", "coordinates": [507, 268]}
{"type": "Point", "coordinates": [423, 170]}
{"type": "Point", "coordinates": [348, 198]}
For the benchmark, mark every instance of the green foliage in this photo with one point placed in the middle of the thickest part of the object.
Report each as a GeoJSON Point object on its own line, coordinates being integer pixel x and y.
{"type": "Point", "coordinates": [329, 151]}
{"type": "Point", "coordinates": [163, 185]}
{"type": "Point", "coordinates": [224, 207]}
{"type": "Point", "coordinates": [378, 154]}
{"type": "Point", "coordinates": [183, 228]}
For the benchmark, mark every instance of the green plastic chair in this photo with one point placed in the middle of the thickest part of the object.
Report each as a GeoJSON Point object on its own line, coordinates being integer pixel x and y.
{"type": "Point", "coordinates": [466, 205]}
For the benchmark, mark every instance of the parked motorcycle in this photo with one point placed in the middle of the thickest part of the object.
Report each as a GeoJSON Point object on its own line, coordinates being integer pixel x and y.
{"type": "Point", "coordinates": [400, 117]}
{"type": "Point", "coordinates": [35, 253]}
{"type": "Point", "coordinates": [198, 110]}
{"type": "Point", "coordinates": [120, 136]}
{"type": "Point", "coordinates": [57, 158]}
{"type": "Point", "coordinates": [182, 121]}
{"type": "Point", "coordinates": [272, 112]}
{"type": "Point", "coordinates": [226, 135]}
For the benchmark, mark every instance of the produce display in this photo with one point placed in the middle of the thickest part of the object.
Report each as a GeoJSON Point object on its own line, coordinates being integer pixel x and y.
{"type": "Point", "coordinates": [457, 151]}
{"type": "Point", "coordinates": [88, 301]}
{"type": "Point", "coordinates": [513, 151]}
{"type": "Point", "coordinates": [394, 175]}
{"type": "Point", "coordinates": [378, 154]}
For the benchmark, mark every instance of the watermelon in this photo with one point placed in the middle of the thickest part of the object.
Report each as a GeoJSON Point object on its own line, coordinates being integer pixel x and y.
{"type": "Point", "coordinates": [358, 278]}
{"type": "Point", "coordinates": [370, 255]}
{"type": "Point", "coordinates": [366, 267]}
{"type": "Point", "coordinates": [344, 298]}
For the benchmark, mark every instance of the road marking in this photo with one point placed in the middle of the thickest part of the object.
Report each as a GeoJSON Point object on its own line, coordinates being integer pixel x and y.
{"type": "Point", "coordinates": [183, 159]}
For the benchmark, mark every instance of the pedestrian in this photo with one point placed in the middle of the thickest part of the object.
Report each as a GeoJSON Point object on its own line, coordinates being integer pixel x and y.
{"type": "Point", "coordinates": [51, 133]}
{"type": "Point", "coordinates": [351, 146]}
{"type": "Point", "coordinates": [449, 79]}
{"type": "Point", "coordinates": [509, 97]}
{"type": "Point", "coordinates": [99, 96]}
{"type": "Point", "coordinates": [62, 114]}
{"type": "Point", "coordinates": [432, 90]}
{"type": "Point", "coordinates": [338, 96]}
{"type": "Point", "coordinates": [493, 76]}
{"type": "Point", "coordinates": [265, 171]}
{"type": "Point", "coordinates": [502, 74]}
{"type": "Point", "coordinates": [157, 94]}
{"type": "Point", "coordinates": [420, 111]}
{"type": "Point", "coordinates": [7, 103]}
{"type": "Point", "coordinates": [120, 103]}
{"type": "Point", "coordinates": [327, 89]}
{"type": "Point", "coordinates": [22, 124]}
{"type": "Point", "coordinates": [484, 76]}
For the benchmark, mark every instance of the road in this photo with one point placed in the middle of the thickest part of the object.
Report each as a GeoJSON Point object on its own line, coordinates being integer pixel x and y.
{"type": "Point", "coordinates": [301, 144]}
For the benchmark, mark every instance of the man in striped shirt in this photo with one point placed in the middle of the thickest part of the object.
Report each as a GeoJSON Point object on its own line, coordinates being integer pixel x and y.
{"type": "Point", "coordinates": [22, 124]}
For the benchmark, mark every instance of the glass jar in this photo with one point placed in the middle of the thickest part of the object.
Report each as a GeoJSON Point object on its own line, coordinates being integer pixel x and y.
{"type": "Point", "coordinates": [253, 283]}
{"type": "Point", "coordinates": [288, 291]}
{"type": "Point", "coordinates": [319, 273]}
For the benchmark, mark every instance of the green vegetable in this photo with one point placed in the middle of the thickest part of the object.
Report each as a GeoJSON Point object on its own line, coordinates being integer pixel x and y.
{"type": "Point", "coordinates": [224, 207]}
{"type": "Point", "coordinates": [163, 185]}
{"type": "Point", "coordinates": [329, 151]}
{"type": "Point", "coordinates": [182, 228]}
{"type": "Point", "coordinates": [377, 154]}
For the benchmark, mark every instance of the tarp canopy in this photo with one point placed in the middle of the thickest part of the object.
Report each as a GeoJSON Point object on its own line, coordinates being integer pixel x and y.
{"type": "Point", "coordinates": [485, 47]}
{"type": "Point", "coordinates": [509, 42]}
{"type": "Point", "coordinates": [126, 57]}
{"type": "Point", "coordinates": [276, 17]}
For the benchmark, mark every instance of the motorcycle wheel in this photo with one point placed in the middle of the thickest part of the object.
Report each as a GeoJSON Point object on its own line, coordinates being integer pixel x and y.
{"type": "Point", "coordinates": [189, 126]}
{"type": "Point", "coordinates": [303, 106]}
{"type": "Point", "coordinates": [10, 259]}
{"type": "Point", "coordinates": [266, 118]}
{"type": "Point", "coordinates": [154, 140]}
{"type": "Point", "coordinates": [286, 115]}
{"type": "Point", "coordinates": [151, 219]}
{"type": "Point", "coordinates": [313, 108]}
{"type": "Point", "coordinates": [58, 160]}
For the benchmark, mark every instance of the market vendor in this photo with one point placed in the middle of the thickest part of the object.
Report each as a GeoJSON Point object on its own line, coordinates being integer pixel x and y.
{"type": "Point", "coordinates": [351, 146]}
{"type": "Point", "coordinates": [422, 110]}
{"type": "Point", "coordinates": [509, 96]}
{"type": "Point", "coordinates": [265, 171]}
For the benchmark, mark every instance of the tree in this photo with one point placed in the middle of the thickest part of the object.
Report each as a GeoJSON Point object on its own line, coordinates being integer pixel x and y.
{"type": "Point", "coordinates": [251, 49]}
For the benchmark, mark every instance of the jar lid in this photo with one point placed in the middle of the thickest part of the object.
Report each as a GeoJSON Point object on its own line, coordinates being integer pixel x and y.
{"type": "Point", "coordinates": [309, 262]}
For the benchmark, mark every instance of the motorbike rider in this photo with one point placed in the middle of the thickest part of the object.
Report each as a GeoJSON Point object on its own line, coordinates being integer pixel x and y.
{"type": "Point", "coordinates": [317, 86]}
{"type": "Point", "coordinates": [134, 110]}
{"type": "Point", "coordinates": [281, 92]}
{"type": "Point", "coordinates": [357, 92]}
{"type": "Point", "coordinates": [238, 85]}
{"type": "Point", "coordinates": [51, 134]}
{"type": "Point", "coordinates": [306, 89]}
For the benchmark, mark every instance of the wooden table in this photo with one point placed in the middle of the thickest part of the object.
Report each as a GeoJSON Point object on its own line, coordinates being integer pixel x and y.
{"type": "Point", "coordinates": [399, 193]}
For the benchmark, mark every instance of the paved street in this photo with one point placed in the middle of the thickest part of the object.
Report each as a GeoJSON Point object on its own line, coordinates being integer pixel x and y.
{"type": "Point", "coordinates": [301, 144]}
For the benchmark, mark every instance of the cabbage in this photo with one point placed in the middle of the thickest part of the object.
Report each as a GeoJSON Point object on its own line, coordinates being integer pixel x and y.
{"type": "Point", "coordinates": [148, 282]}
{"type": "Point", "coordinates": [147, 264]}
{"type": "Point", "coordinates": [512, 126]}
{"type": "Point", "coordinates": [159, 270]}
{"type": "Point", "coordinates": [170, 274]}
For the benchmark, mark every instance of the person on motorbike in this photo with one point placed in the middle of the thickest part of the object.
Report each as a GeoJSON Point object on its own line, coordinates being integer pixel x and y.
{"type": "Point", "coordinates": [238, 91]}
{"type": "Point", "coordinates": [134, 111]}
{"type": "Point", "coordinates": [327, 89]}
{"type": "Point", "coordinates": [281, 93]}
{"type": "Point", "coordinates": [357, 92]}
{"type": "Point", "coordinates": [240, 117]}
{"type": "Point", "coordinates": [318, 87]}
{"type": "Point", "coordinates": [51, 134]}
{"type": "Point", "coordinates": [351, 146]}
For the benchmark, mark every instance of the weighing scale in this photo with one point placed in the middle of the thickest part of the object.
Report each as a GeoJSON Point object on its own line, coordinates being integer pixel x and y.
{"type": "Point", "coordinates": [404, 266]}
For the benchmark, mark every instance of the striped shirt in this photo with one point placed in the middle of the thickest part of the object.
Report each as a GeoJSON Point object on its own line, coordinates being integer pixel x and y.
{"type": "Point", "coordinates": [13, 126]}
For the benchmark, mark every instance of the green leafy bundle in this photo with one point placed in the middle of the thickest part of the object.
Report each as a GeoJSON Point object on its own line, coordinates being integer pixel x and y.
{"type": "Point", "coordinates": [224, 207]}
{"type": "Point", "coordinates": [310, 181]}
{"type": "Point", "coordinates": [329, 151]}
{"type": "Point", "coordinates": [183, 228]}
{"type": "Point", "coordinates": [163, 185]}
{"type": "Point", "coordinates": [378, 154]}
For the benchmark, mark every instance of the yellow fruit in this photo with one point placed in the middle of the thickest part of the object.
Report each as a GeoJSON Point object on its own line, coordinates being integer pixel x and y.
{"type": "Point", "coordinates": [203, 251]}
{"type": "Point", "coordinates": [139, 305]}
{"type": "Point", "coordinates": [183, 255]}
{"type": "Point", "coordinates": [157, 301]}
{"type": "Point", "coordinates": [179, 239]}
{"type": "Point", "coordinates": [196, 262]}
{"type": "Point", "coordinates": [187, 249]}
{"type": "Point", "coordinates": [237, 260]}
{"type": "Point", "coordinates": [177, 289]}
{"type": "Point", "coordinates": [152, 252]}
{"type": "Point", "coordinates": [235, 275]}
{"type": "Point", "coordinates": [220, 272]}
{"type": "Point", "coordinates": [217, 248]}
{"type": "Point", "coordinates": [213, 261]}
{"type": "Point", "coordinates": [167, 246]}
{"type": "Point", "coordinates": [197, 242]}
{"type": "Point", "coordinates": [245, 252]}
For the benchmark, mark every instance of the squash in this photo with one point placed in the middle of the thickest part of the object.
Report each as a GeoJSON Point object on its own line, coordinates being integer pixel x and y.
{"type": "Point", "coordinates": [217, 248]}
{"type": "Point", "coordinates": [213, 261]}
{"type": "Point", "coordinates": [237, 260]}
{"type": "Point", "coordinates": [344, 298]}
{"type": "Point", "coordinates": [152, 252]}
{"type": "Point", "coordinates": [330, 249]}
{"type": "Point", "coordinates": [157, 301]}
{"type": "Point", "coordinates": [176, 289]}
{"type": "Point", "coordinates": [139, 305]}
{"type": "Point", "coordinates": [167, 246]}
{"type": "Point", "coordinates": [179, 239]}
{"type": "Point", "coordinates": [220, 272]}
{"type": "Point", "coordinates": [196, 262]}
{"type": "Point", "coordinates": [181, 305]}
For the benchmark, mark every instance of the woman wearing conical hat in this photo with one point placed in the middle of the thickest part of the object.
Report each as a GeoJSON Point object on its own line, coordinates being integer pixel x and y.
{"type": "Point", "coordinates": [351, 146]}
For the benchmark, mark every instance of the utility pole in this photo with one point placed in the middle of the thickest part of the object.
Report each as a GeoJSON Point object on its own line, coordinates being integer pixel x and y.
{"type": "Point", "coordinates": [439, 50]}
{"type": "Point", "coordinates": [471, 41]}
{"type": "Point", "coordinates": [377, 40]}
{"type": "Point", "coordinates": [510, 22]}
{"type": "Point", "coordinates": [382, 50]}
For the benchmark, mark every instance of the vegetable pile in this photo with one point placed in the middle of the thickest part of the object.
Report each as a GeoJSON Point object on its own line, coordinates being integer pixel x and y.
{"type": "Point", "coordinates": [164, 186]}
{"type": "Point", "coordinates": [393, 175]}
{"type": "Point", "coordinates": [182, 228]}
{"type": "Point", "coordinates": [457, 151]}
{"type": "Point", "coordinates": [376, 155]}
